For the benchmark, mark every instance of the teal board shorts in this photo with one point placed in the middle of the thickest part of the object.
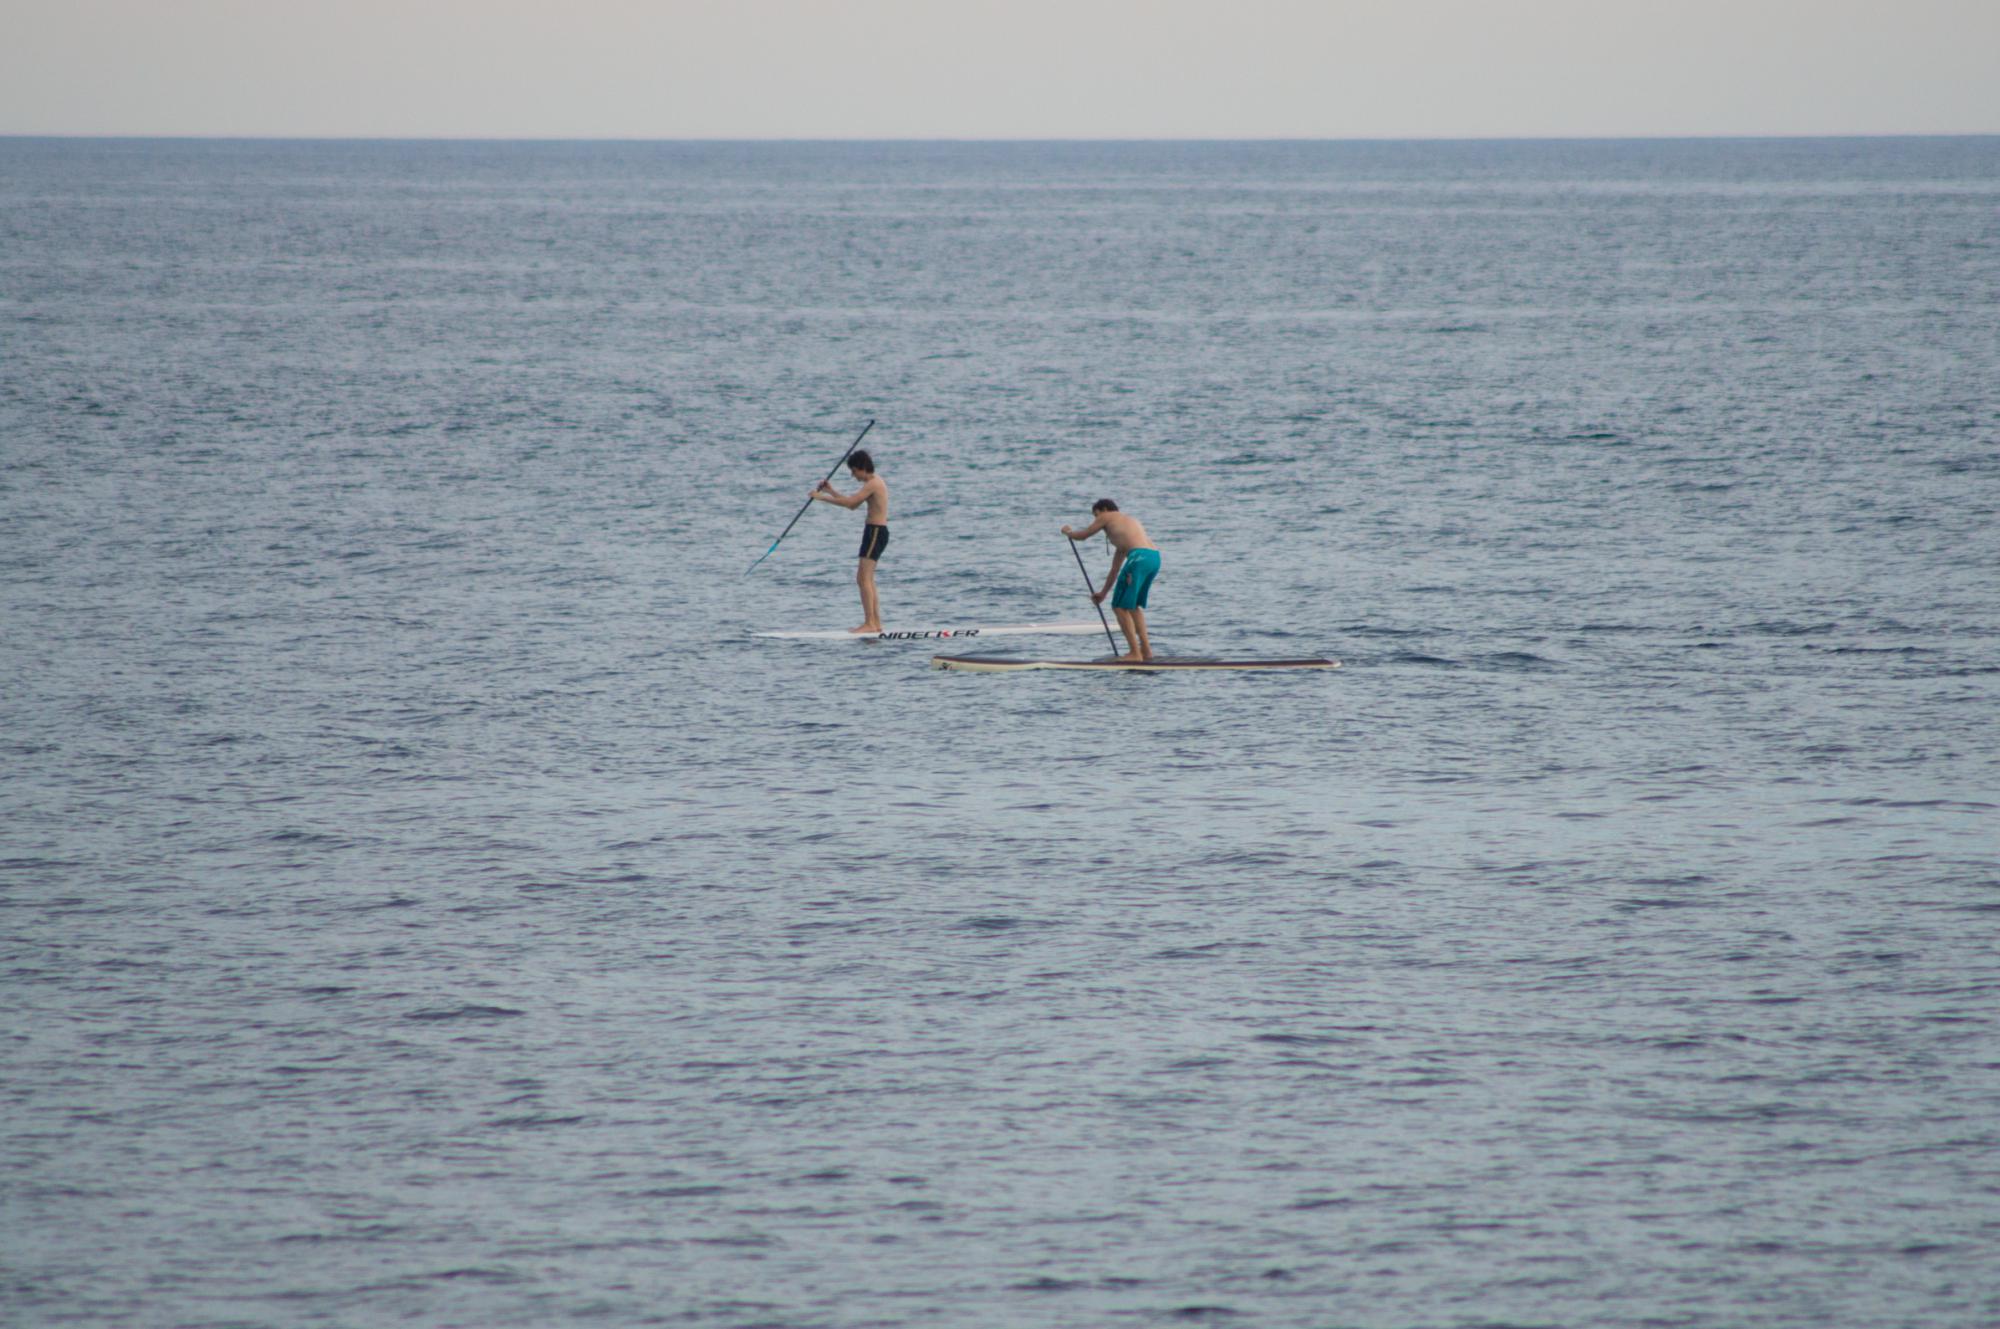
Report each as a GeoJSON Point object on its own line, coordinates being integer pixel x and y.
{"type": "Point", "coordinates": [1136, 579]}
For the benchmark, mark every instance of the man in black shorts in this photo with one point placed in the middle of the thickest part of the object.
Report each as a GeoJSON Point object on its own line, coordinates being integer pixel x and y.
{"type": "Point", "coordinates": [874, 536]}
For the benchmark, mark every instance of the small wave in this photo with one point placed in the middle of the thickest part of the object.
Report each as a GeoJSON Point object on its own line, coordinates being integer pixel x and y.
{"type": "Point", "coordinates": [748, 1241]}
{"type": "Point", "coordinates": [465, 1013]}
{"type": "Point", "coordinates": [1245, 859]}
{"type": "Point", "coordinates": [678, 1192]}
{"type": "Point", "coordinates": [1779, 627]}
{"type": "Point", "coordinates": [534, 1119]}
{"type": "Point", "coordinates": [1600, 436]}
{"type": "Point", "coordinates": [296, 836]}
{"type": "Point", "coordinates": [992, 923]}
{"type": "Point", "coordinates": [365, 1232]}
{"type": "Point", "coordinates": [1518, 660]}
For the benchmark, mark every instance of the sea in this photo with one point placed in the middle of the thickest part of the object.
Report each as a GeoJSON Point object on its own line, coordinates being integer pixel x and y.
{"type": "Point", "coordinates": [424, 901]}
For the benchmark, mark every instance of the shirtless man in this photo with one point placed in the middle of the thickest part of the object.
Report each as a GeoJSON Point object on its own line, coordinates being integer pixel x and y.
{"type": "Point", "coordinates": [1139, 559]}
{"type": "Point", "coordinates": [874, 536]}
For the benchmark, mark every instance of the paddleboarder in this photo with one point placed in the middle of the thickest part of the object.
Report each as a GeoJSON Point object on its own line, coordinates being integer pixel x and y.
{"type": "Point", "coordinates": [1133, 566]}
{"type": "Point", "coordinates": [874, 535]}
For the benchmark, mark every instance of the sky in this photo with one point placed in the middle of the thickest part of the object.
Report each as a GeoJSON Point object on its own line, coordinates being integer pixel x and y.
{"type": "Point", "coordinates": [998, 68]}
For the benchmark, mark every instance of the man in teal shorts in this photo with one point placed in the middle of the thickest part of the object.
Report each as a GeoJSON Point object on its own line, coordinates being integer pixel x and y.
{"type": "Point", "coordinates": [1134, 564]}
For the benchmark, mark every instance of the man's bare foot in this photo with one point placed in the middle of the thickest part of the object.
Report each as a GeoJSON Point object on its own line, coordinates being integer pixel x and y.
{"type": "Point", "coordinates": [867, 627]}
{"type": "Point", "coordinates": [1129, 658]}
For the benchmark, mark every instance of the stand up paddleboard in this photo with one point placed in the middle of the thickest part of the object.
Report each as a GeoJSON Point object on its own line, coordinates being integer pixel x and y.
{"type": "Point", "coordinates": [929, 634]}
{"type": "Point", "coordinates": [1002, 664]}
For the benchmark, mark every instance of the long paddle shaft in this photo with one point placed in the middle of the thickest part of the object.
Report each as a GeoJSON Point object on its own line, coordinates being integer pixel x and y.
{"type": "Point", "coordinates": [802, 511]}
{"type": "Point", "coordinates": [1091, 586]}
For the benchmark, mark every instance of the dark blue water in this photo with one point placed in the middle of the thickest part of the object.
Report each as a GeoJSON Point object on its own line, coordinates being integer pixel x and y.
{"type": "Point", "coordinates": [425, 903]}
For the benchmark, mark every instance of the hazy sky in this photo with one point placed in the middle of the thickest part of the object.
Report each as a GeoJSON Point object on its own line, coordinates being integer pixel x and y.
{"type": "Point", "coordinates": [998, 68]}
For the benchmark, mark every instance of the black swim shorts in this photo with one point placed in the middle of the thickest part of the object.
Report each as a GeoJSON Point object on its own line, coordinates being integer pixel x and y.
{"type": "Point", "coordinates": [874, 539]}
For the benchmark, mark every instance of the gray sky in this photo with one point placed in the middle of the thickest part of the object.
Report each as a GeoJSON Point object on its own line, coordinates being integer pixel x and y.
{"type": "Point", "coordinates": [998, 68]}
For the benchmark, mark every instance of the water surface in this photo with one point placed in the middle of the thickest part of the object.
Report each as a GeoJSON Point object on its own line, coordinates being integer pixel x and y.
{"type": "Point", "coordinates": [425, 903]}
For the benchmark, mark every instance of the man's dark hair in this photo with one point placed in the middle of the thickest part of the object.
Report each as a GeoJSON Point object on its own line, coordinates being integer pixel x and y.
{"type": "Point", "coordinates": [1103, 505]}
{"type": "Point", "coordinates": [859, 460]}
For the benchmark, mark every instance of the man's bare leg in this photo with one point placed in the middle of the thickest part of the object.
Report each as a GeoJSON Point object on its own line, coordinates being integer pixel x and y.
{"type": "Point", "coordinates": [871, 614]}
{"type": "Point", "coordinates": [1132, 637]}
{"type": "Point", "coordinates": [1145, 642]}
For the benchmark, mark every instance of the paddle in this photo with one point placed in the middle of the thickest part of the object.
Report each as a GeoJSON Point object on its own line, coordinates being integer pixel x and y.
{"type": "Point", "coordinates": [802, 511]}
{"type": "Point", "coordinates": [1091, 586]}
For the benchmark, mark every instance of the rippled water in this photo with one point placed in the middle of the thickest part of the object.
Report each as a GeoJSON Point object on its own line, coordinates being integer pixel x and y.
{"type": "Point", "coordinates": [425, 903]}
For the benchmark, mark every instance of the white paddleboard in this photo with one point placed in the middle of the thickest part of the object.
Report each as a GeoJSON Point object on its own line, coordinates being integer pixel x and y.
{"type": "Point", "coordinates": [933, 634]}
{"type": "Point", "coordinates": [1002, 664]}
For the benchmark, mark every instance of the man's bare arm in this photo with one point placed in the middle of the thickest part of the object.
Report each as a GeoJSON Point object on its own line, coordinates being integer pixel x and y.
{"type": "Point", "coordinates": [1087, 531]}
{"type": "Point", "coordinates": [826, 493]}
{"type": "Point", "coordinates": [1117, 562]}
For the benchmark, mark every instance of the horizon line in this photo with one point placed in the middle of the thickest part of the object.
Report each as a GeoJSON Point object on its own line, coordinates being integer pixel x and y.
{"type": "Point", "coordinates": [79, 136]}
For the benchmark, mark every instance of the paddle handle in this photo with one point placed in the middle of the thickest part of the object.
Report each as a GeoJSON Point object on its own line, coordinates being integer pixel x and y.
{"type": "Point", "coordinates": [1091, 587]}
{"type": "Point", "coordinates": [808, 503]}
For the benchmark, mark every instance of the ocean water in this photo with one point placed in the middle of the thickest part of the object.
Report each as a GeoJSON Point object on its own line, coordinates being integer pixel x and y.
{"type": "Point", "coordinates": [423, 902]}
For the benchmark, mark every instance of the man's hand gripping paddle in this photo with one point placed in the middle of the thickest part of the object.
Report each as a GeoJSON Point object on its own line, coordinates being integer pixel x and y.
{"type": "Point", "coordinates": [1091, 587]}
{"type": "Point", "coordinates": [802, 511]}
